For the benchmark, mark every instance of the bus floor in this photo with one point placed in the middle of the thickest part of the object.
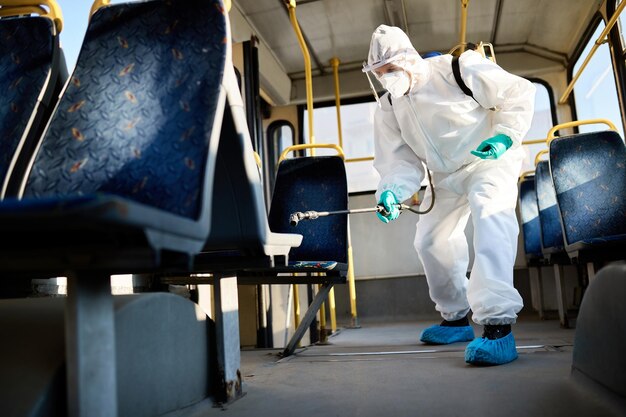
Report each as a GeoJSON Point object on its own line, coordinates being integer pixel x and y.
{"type": "Point", "coordinates": [383, 370]}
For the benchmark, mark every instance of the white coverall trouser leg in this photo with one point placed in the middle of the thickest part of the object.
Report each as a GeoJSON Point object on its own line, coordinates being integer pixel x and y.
{"type": "Point", "coordinates": [488, 190]}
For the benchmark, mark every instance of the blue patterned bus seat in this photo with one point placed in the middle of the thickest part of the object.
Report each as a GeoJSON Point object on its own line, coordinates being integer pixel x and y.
{"type": "Point", "coordinates": [128, 157]}
{"type": "Point", "coordinates": [589, 172]}
{"type": "Point", "coordinates": [28, 64]}
{"type": "Point", "coordinates": [136, 118]}
{"type": "Point", "coordinates": [551, 232]}
{"type": "Point", "coordinates": [312, 183]}
{"type": "Point", "coordinates": [529, 214]}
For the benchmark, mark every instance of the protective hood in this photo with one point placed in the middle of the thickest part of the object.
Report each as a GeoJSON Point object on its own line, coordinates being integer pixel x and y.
{"type": "Point", "coordinates": [390, 44]}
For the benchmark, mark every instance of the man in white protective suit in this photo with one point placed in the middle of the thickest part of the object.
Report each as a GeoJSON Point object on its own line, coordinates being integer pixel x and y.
{"type": "Point", "coordinates": [470, 142]}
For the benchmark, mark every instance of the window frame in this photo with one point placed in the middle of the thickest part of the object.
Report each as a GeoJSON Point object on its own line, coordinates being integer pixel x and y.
{"type": "Point", "coordinates": [619, 72]}
{"type": "Point", "coordinates": [618, 56]}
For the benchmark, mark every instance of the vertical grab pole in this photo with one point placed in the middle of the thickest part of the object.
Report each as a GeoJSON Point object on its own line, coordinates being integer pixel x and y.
{"type": "Point", "coordinates": [309, 108]}
{"type": "Point", "coordinates": [296, 307]}
{"type": "Point", "coordinates": [307, 70]}
{"type": "Point", "coordinates": [333, 310]}
{"type": "Point", "coordinates": [334, 62]}
{"type": "Point", "coordinates": [323, 332]}
{"type": "Point", "coordinates": [351, 285]}
{"type": "Point", "coordinates": [464, 4]}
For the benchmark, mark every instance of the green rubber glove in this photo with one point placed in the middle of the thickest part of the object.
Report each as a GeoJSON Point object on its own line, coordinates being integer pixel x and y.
{"type": "Point", "coordinates": [494, 147]}
{"type": "Point", "coordinates": [388, 200]}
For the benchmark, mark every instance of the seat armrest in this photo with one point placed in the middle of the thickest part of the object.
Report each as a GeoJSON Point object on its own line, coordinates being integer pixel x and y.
{"type": "Point", "coordinates": [281, 243]}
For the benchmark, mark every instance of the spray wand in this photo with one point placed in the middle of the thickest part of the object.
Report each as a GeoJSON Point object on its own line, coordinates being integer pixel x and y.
{"type": "Point", "coordinates": [296, 217]}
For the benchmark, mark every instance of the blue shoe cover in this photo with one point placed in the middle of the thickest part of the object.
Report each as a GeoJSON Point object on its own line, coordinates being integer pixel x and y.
{"type": "Point", "coordinates": [485, 351]}
{"type": "Point", "coordinates": [442, 335]}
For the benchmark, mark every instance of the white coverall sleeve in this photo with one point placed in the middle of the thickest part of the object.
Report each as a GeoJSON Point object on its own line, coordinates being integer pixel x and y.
{"type": "Point", "coordinates": [400, 169]}
{"type": "Point", "coordinates": [512, 96]}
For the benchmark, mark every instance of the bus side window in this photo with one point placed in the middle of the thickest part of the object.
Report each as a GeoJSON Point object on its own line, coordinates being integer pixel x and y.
{"type": "Point", "coordinates": [595, 93]}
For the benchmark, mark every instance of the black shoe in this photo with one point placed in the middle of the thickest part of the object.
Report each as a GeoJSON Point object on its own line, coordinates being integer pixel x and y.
{"type": "Point", "coordinates": [456, 323]}
{"type": "Point", "coordinates": [493, 332]}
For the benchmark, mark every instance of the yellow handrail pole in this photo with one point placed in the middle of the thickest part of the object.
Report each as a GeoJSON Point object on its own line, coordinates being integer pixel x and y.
{"type": "Point", "coordinates": [464, 4]}
{"type": "Point", "coordinates": [363, 159]}
{"type": "Point", "coordinates": [351, 284]}
{"type": "Point", "coordinates": [334, 62]}
{"type": "Point", "coordinates": [296, 307]}
{"type": "Point", "coordinates": [596, 45]}
{"type": "Point", "coordinates": [294, 148]}
{"type": "Point", "coordinates": [333, 310]}
{"type": "Point", "coordinates": [354, 318]}
{"type": "Point", "coordinates": [565, 125]}
{"type": "Point", "coordinates": [307, 69]}
{"type": "Point", "coordinates": [526, 174]}
{"type": "Point", "coordinates": [533, 141]}
{"type": "Point", "coordinates": [323, 333]}
{"type": "Point", "coordinates": [539, 154]}
{"type": "Point", "coordinates": [309, 107]}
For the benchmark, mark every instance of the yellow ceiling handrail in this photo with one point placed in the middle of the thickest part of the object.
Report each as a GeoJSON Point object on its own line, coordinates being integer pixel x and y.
{"type": "Point", "coordinates": [552, 131]}
{"type": "Point", "coordinates": [311, 146]}
{"type": "Point", "coordinates": [53, 12]}
{"type": "Point", "coordinates": [98, 4]}
{"type": "Point", "coordinates": [598, 42]}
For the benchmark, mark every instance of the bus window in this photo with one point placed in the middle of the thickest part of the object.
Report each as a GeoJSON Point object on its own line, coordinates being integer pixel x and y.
{"type": "Point", "coordinates": [595, 92]}
{"type": "Point", "coordinates": [357, 122]}
{"type": "Point", "coordinates": [541, 124]}
{"type": "Point", "coordinates": [357, 125]}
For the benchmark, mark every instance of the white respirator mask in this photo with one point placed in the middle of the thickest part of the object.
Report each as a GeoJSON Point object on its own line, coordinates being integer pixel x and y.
{"type": "Point", "coordinates": [397, 83]}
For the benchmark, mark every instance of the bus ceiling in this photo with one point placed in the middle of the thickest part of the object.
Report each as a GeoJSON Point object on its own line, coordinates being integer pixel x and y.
{"type": "Point", "coordinates": [530, 37]}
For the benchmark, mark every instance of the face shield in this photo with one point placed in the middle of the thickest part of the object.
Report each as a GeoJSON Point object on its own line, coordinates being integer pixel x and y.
{"type": "Point", "coordinates": [389, 45]}
{"type": "Point", "coordinates": [372, 71]}
{"type": "Point", "coordinates": [369, 76]}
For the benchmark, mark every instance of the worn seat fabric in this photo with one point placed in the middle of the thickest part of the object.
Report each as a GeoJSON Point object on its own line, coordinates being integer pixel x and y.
{"type": "Point", "coordinates": [589, 172]}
